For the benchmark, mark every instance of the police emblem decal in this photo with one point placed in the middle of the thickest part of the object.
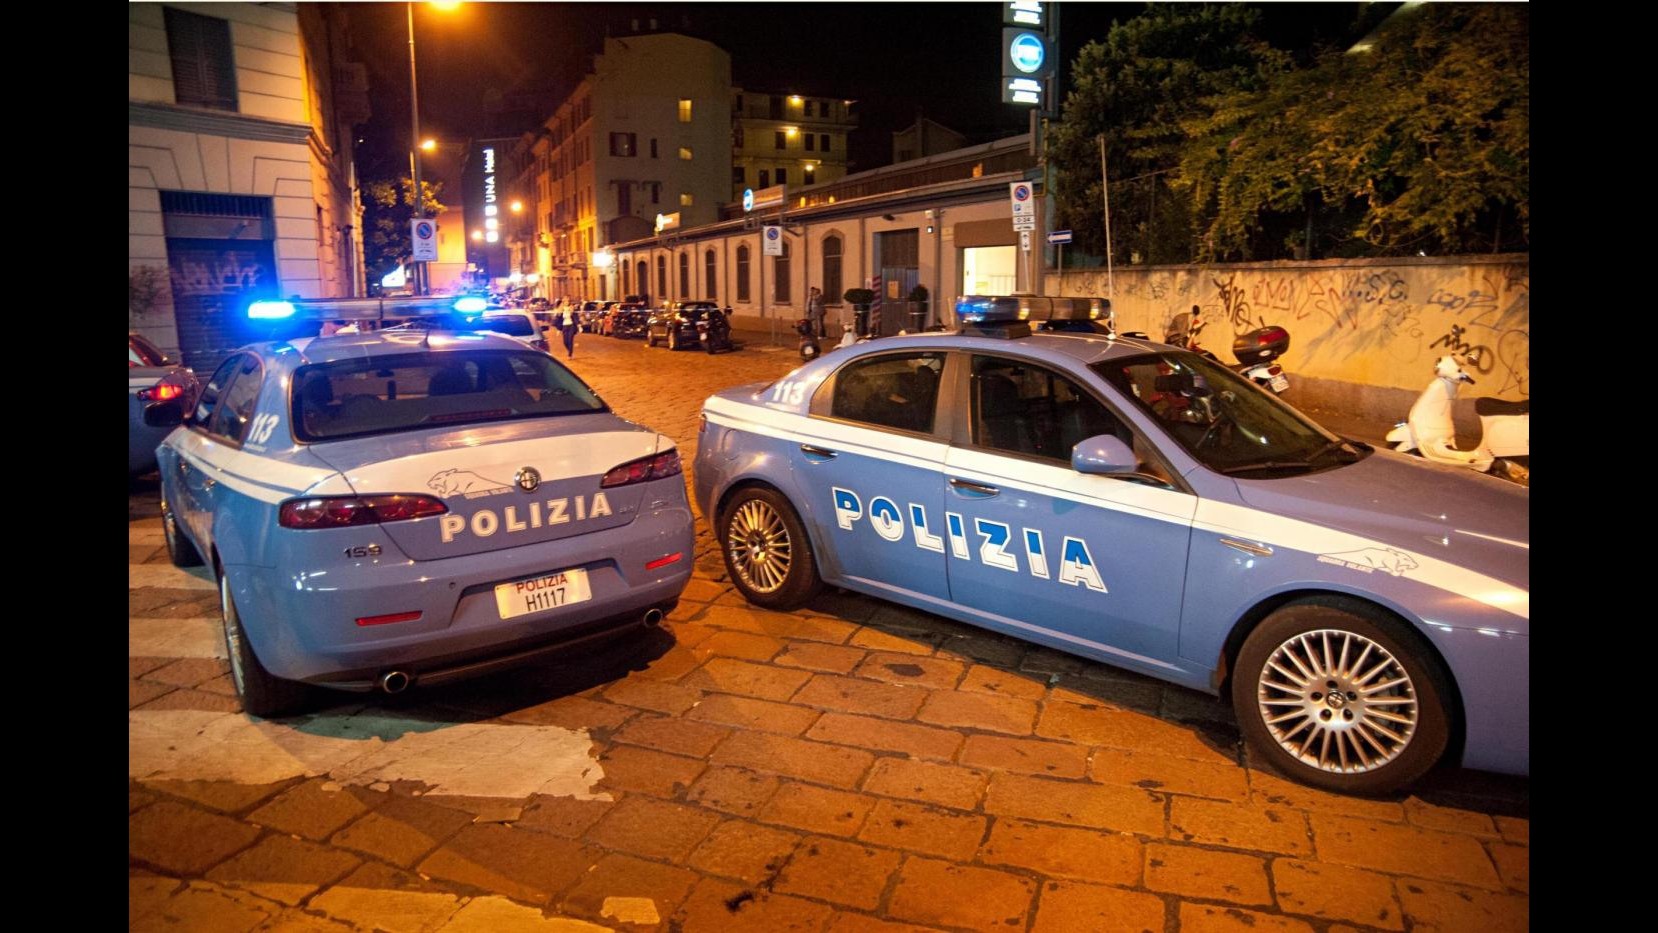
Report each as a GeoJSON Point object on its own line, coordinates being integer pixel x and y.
{"type": "Point", "coordinates": [527, 479]}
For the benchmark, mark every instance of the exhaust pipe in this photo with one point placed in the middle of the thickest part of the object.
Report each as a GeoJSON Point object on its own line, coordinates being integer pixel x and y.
{"type": "Point", "coordinates": [394, 681]}
{"type": "Point", "coordinates": [653, 617]}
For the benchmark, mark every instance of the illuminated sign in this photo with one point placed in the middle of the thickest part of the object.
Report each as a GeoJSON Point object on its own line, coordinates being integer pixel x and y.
{"type": "Point", "coordinates": [1027, 52]}
{"type": "Point", "coordinates": [1023, 13]}
{"type": "Point", "coordinates": [667, 221]}
{"type": "Point", "coordinates": [748, 199]}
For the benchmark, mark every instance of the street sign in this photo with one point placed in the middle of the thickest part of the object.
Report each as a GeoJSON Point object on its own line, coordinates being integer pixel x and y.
{"type": "Point", "coordinates": [423, 234]}
{"type": "Point", "coordinates": [1022, 13]}
{"type": "Point", "coordinates": [772, 240]}
{"type": "Point", "coordinates": [1024, 240]}
{"type": "Point", "coordinates": [1059, 236]}
{"type": "Point", "coordinates": [748, 199]}
{"type": "Point", "coordinates": [1023, 196]}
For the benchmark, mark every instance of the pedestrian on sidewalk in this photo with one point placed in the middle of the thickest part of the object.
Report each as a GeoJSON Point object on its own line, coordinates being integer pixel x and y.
{"type": "Point", "coordinates": [569, 322]}
{"type": "Point", "coordinates": [814, 311]}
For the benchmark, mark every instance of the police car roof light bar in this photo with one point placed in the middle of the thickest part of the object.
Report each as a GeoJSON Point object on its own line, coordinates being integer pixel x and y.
{"type": "Point", "coordinates": [354, 309]}
{"type": "Point", "coordinates": [1005, 317]}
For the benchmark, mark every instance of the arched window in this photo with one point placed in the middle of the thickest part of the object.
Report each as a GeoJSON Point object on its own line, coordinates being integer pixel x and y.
{"type": "Point", "coordinates": [832, 269]}
{"type": "Point", "coordinates": [684, 276]}
{"type": "Point", "coordinates": [742, 272]}
{"type": "Point", "coordinates": [642, 281]}
{"type": "Point", "coordinates": [625, 269]}
{"type": "Point", "coordinates": [662, 278]}
{"type": "Point", "coordinates": [780, 265]}
{"type": "Point", "coordinates": [708, 276]}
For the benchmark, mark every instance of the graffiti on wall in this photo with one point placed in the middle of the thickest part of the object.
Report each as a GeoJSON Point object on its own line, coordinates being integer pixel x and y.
{"type": "Point", "coordinates": [1372, 324]}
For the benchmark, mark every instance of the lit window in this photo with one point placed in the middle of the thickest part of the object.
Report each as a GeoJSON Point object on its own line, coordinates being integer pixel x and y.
{"type": "Point", "coordinates": [684, 200]}
{"type": "Point", "coordinates": [685, 153]}
{"type": "Point", "coordinates": [684, 110]}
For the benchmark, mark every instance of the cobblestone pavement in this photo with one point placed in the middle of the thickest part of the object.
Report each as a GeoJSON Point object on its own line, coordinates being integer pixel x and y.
{"type": "Point", "coordinates": [851, 767]}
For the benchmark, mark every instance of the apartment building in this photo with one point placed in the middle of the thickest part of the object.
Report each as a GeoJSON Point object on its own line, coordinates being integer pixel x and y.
{"type": "Point", "coordinates": [787, 139]}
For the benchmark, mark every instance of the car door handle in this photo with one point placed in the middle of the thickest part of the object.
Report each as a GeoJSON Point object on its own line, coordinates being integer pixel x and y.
{"type": "Point", "coordinates": [971, 488]}
{"type": "Point", "coordinates": [817, 453]}
{"type": "Point", "coordinates": [209, 483]}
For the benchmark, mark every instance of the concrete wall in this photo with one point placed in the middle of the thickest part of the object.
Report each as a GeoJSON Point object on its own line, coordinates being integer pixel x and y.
{"type": "Point", "coordinates": [1364, 334]}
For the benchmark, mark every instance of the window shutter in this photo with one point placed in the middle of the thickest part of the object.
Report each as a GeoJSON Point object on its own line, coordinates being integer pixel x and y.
{"type": "Point", "coordinates": [204, 70]}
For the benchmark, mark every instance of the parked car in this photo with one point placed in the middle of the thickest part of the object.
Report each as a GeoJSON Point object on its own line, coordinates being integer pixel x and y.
{"type": "Point", "coordinates": [592, 312]}
{"type": "Point", "coordinates": [627, 319]}
{"type": "Point", "coordinates": [519, 325]}
{"type": "Point", "coordinates": [676, 323]}
{"type": "Point", "coordinates": [1138, 505]}
{"type": "Point", "coordinates": [412, 507]}
{"type": "Point", "coordinates": [151, 377]}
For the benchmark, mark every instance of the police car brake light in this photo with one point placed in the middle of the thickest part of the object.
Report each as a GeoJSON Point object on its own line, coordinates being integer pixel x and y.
{"type": "Point", "coordinates": [160, 392]}
{"type": "Point", "coordinates": [345, 511]}
{"type": "Point", "coordinates": [659, 466]}
{"type": "Point", "coordinates": [271, 310]}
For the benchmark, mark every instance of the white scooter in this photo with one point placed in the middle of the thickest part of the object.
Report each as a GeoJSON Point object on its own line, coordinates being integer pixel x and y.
{"type": "Point", "coordinates": [1505, 427]}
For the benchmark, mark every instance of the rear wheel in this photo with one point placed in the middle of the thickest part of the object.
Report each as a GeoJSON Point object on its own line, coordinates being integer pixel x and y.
{"type": "Point", "coordinates": [673, 338]}
{"type": "Point", "coordinates": [179, 549]}
{"type": "Point", "coordinates": [650, 337]}
{"type": "Point", "coordinates": [766, 550]}
{"type": "Point", "coordinates": [1342, 698]}
{"type": "Point", "coordinates": [262, 694]}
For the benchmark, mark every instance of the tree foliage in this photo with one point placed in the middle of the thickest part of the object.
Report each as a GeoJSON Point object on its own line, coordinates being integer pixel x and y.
{"type": "Point", "coordinates": [388, 206]}
{"type": "Point", "coordinates": [1135, 88]}
{"type": "Point", "coordinates": [1418, 143]}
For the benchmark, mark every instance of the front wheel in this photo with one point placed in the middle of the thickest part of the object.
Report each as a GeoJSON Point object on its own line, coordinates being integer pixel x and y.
{"type": "Point", "coordinates": [766, 550]}
{"type": "Point", "coordinates": [650, 337]}
{"type": "Point", "coordinates": [262, 694]}
{"type": "Point", "coordinates": [1342, 698]}
{"type": "Point", "coordinates": [673, 338]}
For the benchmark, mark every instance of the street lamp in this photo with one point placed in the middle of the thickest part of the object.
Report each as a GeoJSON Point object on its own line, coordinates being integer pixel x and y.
{"type": "Point", "coordinates": [415, 145]}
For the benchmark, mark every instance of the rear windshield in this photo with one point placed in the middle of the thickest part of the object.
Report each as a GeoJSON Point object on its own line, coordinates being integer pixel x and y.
{"type": "Point", "coordinates": [141, 353]}
{"type": "Point", "coordinates": [516, 325]}
{"type": "Point", "coordinates": [352, 398]}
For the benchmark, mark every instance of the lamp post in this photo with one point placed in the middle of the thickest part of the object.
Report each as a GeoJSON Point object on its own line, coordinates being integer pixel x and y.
{"type": "Point", "coordinates": [414, 147]}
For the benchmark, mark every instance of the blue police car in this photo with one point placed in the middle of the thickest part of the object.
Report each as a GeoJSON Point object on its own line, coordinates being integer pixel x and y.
{"type": "Point", "coordinates": [1139, 505]}
{"type": "Point", "coordinates": [414, 506]}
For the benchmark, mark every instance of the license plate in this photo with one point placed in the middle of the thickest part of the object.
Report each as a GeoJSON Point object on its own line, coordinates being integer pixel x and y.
{"type": "Point", "coordinates": [522, 597]}
{"type": "Point", "coordinates": [1279, 383]}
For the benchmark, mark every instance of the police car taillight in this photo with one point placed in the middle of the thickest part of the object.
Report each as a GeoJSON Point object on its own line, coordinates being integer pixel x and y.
{"type": "Point", "coordinates": [160, 392]}
{"type": "Point", "coordinates": [660, 466]}
{"type": "Point", "coordinates": [345, 511]}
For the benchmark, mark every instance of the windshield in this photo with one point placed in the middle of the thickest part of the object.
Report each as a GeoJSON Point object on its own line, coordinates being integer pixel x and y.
{"type": "Point", "coordinates": [1226, 423]}
{"type": "Point", "coordinates": [516, 325]}
{"type": "Point", "coordinates": [352, 398]}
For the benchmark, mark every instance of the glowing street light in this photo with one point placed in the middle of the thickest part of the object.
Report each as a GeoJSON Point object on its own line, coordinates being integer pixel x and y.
{"type": "Point", "coordinates": [414, 136]}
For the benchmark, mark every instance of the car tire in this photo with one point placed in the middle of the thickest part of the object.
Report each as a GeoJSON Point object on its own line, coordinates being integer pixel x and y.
{"type": "Point", "coordinates": [1342, 742]}
{"type": "Point", "coordinates": [673, 338]}
{"type": "Point", "coordinates": [767, 553]}
{"type": "Point", "coordinates": [179, 549]}
{"type": "Point", "coordinates": [262, 693]}
{"type": "Point", "coordinates": [650, 338]}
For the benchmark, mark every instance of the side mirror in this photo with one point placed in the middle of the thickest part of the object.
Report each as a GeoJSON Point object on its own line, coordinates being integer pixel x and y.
{"type": "Point", "coordinates": [169, 414]}
{"type": "Point", "coordinates": [1103, 453]}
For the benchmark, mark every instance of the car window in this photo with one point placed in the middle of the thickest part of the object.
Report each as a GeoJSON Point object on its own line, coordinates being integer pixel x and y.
{"type": "Point", "coordinates": [231, 420]}
{"type": "Point", "coordinates": [215, 387]}
{"type": "Point", "coordinates": [357, 397]}
{"type": "Point", "coordinates": [893, 391]}
{"type": "Point", "coordinates": [141, 352]}
{"type": "Point", "coordinates": [1022, 408]}
{"type": "Point", "coordinates": [516, 325]}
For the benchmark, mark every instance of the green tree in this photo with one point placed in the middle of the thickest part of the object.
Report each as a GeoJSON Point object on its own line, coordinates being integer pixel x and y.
{"type": "Point", "coordinates": [1418, 141]}
{"type": "Point", "coordinates": [388, 206]}
{"type": "Point", "coordinates": [1135, 88]}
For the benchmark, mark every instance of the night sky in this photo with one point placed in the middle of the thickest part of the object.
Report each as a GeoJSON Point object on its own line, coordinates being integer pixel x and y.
{"type": "Point", "coordinates": [893, 58]}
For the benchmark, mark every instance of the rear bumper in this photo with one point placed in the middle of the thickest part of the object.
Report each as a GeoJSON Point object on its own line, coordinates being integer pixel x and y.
{"type": "Point", "coordinates": [302, 624]}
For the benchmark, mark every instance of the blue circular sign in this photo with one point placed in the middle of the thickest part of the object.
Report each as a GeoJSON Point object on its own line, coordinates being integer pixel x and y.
{"type": "Point", "coordinates": [771, 233]}
{"type": "Point", "coordinates": [1021, 192]}
{"type": "Point", "coordinates": [748, 199]}
{"type": "Point", "coordinates": [1026, 52]}
{"type": "Point", "coordinates": [423, 230]}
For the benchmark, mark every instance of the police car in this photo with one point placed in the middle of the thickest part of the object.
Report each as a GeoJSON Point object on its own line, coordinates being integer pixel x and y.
{"type": "Point", "coordinates": [1139, 505]}
{"type": "Point", "coordinates": [414, 506]}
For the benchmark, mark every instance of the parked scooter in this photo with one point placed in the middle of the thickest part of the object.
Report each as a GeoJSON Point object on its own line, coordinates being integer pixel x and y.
{"type": "Point", "coordinates": [1256, 351]}
{"type": "Point", "coordinates": [714, 330]}
{"type": "Point", "coordinates": [1505, 427]}
{"type": "Point", "coordinates": [809, 347]}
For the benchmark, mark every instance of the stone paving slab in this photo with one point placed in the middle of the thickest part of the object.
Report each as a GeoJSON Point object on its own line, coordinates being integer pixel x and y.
{"type": "Point", "coordinates": [853, 767]}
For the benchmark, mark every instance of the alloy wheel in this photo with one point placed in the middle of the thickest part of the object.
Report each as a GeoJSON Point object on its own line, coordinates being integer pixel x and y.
{"type": "Point", "coordinates": [1338, 701]}
{"type": "Point", "coordinates": [759, 545]}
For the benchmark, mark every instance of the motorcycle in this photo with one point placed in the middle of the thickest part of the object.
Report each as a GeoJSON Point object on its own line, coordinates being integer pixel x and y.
{"type": "Point", "coordinates": [1505, 427]}
{"type": "Point", "coordinates": [714, 331]}
{"type": "Point", "coordinates": [1256, 351]}
{"type": "Point", "coordinates": [809, 347]}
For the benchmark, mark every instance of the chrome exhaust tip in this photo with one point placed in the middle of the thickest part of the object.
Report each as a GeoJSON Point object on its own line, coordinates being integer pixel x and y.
{"type": "Point", "coordinates": [394, 681]}
{"type": "Point", "coordinates": [653, 617]}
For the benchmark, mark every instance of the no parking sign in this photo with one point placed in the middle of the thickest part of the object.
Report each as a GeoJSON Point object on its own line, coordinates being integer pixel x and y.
{"type": "Point", "coordinates": [424, 235]}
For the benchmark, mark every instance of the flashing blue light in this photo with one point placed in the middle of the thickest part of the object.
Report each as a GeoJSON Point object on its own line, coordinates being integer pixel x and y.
{"type": "Point", "coordinates": [984, 309]}
{"type": "Point", "coordinates": [471, 304]}
{"type": "Point", "coordinates": [271, 310]}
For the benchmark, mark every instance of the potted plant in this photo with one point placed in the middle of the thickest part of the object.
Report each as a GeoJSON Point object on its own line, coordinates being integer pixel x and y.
{"type": "Point", "coordinates": [860, 299]}
{"type": "Point", "coordinates": [918, 308]}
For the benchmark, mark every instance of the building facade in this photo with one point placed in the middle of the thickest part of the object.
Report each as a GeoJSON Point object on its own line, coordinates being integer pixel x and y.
{"type": "Point", "coordinates": [646, 133]}
{"type": "Point", "coordinates": [943, 222]}
{"type": "Point", "coordinates": [792, 140]}
{"type": "Point", "coordinates": [241, 182]}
